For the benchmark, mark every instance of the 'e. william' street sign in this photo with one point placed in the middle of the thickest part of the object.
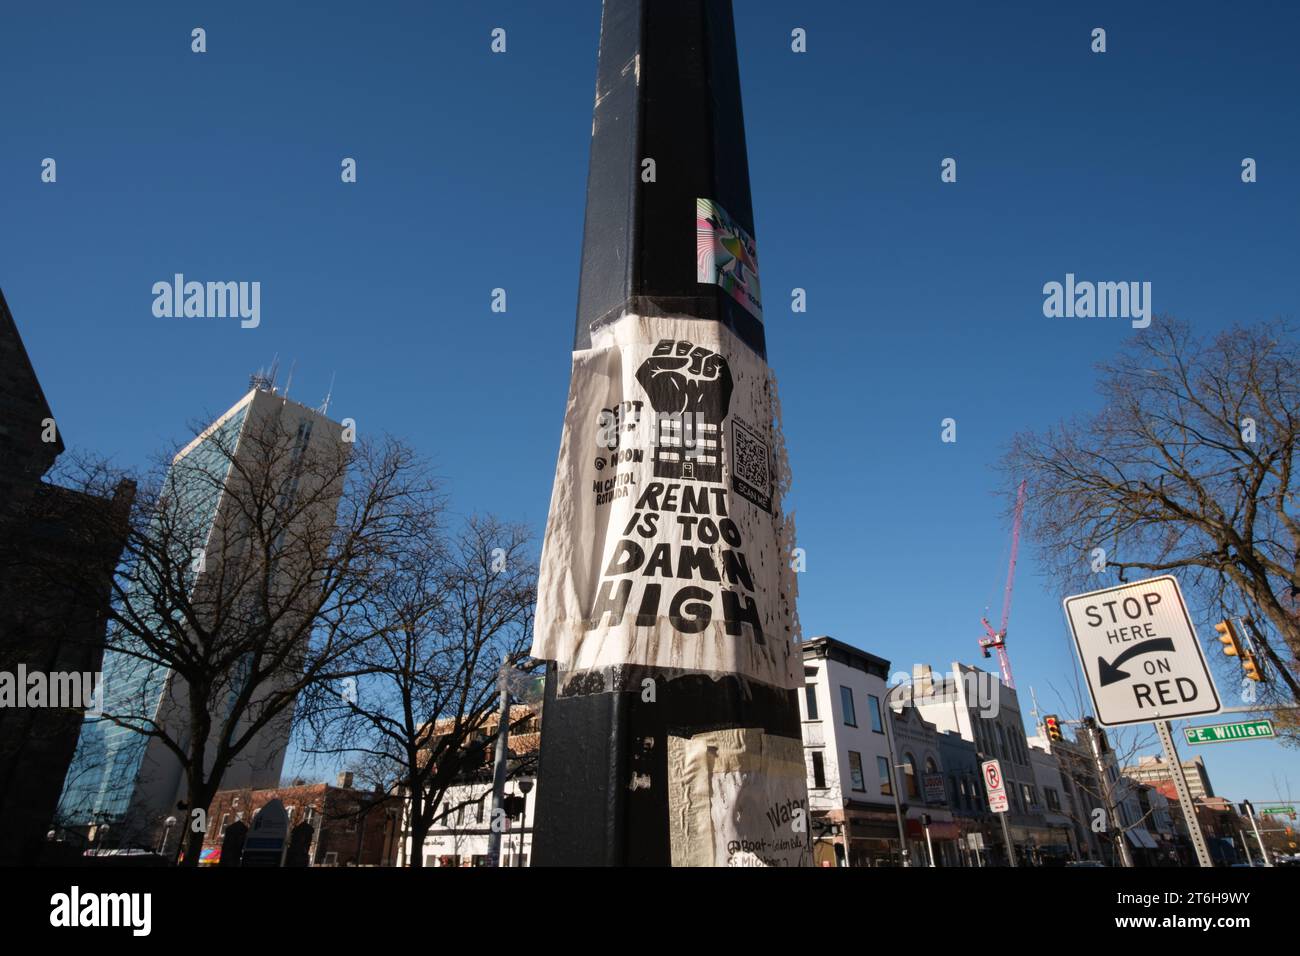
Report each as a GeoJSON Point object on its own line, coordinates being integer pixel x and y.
{"type": "Point", "coordinates": [1222, 733]}
{"type": "Point", "coordinates": [995, 785]}
{"type": "Point", "coordinates": [1140, 653]}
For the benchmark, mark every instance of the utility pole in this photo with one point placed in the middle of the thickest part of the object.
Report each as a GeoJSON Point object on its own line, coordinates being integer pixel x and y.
{"type": "Point", "coordinates": [1249, 809]}
{"type": "Point", "coordinates": [904, 855]}
{"type": "Point", "coordinates": [671, 732]}
{"type": "Point", "coordinates": [1107, 795]}
{"type": "Point", "coordinates": [496, 819]}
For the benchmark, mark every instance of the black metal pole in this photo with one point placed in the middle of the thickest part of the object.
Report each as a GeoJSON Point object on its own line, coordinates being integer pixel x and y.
{"type": "Point", "coordinates": [667, 92]}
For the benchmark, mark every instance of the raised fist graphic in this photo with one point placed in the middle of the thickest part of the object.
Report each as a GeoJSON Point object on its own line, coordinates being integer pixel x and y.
{"type": "Point", "coordinates": [690, 391]}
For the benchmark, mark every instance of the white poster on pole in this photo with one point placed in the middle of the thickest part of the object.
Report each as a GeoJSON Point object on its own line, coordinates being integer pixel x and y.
{"type": "Point", "coordinates": [737, 797]}
{"type": "Point", "coordinates": [666, 546]}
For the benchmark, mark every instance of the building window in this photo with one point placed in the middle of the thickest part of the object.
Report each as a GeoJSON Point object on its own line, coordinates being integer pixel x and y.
{"type": "Point", "coordinates": [909, 767]}
{"type": "Point", "coordinates": [810, 697]}
{"type": "Point", "coordinates": [225, 822]}
{"type": "Point", "coordinates": [1053, 799]}
{"type": "Point", "coordinates": [846, 702]}
{"type": "Point", "coordinates": [819, 770]}
{"type": "Point", "coordinates": [1030, 797]}
{"type": "Point", "coordinates": [876, 724]}
{"type": "Point", "coordinates": [855, 771]}
{"type": "Point", "coordinates": [1001, 742]}
{"type": "Point", "coordinates": [882, 767]}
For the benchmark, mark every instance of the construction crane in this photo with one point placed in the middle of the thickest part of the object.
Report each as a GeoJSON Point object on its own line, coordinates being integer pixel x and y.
{"type": "Point", "coordinates": [998, 638]}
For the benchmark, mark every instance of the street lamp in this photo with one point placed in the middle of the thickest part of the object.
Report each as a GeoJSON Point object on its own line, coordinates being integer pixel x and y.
{"type": "Point", "coordinates": [167, 830]}
{"type": "Point", "coordinates": [893, 773]}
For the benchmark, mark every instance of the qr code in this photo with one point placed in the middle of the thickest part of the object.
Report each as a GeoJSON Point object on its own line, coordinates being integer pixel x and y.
{"type": "Point", "coordinates": [750, 469]}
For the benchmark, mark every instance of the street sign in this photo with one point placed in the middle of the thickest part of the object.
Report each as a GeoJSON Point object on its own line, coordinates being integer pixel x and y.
{"type": "Point", "coordinates": [1222, 733]}
{"type": "Point", "coordinates": [1284, 811]}
{"type": "Point", "coordinates": [1140, 653]}
{"type": "Point", "coordinates": [934, 788]}
{"type": "Point", "coordinates": [991, 770]}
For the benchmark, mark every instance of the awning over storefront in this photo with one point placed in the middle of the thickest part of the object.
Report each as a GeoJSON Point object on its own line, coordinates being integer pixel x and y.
{"type": "Point", "coordinates": [1139, 837]}
{"type": "Point", "coordinates": [939, 830]}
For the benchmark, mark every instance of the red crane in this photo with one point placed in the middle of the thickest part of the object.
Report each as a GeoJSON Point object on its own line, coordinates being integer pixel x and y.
{"type": "Point", "coordinates": [998, 638]}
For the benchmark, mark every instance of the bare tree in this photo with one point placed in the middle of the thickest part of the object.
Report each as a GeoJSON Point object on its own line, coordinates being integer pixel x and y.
{"type": "Point", "coordinates": [1188, 467]}
{"type": "Point", "coordinates": [247, 557]}
{"type": "Point", "coordinates": [423, 677]}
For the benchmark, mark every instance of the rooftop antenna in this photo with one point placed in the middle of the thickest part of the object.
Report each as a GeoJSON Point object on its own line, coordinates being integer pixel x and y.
{"type": "Point", "coordinates": [292, 365]}
{"type": "Point", "coordinates": [325, 405]}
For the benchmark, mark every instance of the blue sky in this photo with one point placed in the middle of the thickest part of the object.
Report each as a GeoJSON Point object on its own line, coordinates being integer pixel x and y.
{"type": "Point", "coordinates": [924, 299]}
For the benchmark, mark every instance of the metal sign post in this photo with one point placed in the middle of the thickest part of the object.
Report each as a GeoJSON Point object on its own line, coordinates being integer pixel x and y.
{"type": "Point", "coordinates": [996, 786]}
{"type": "Point", "coordinates": [1143, 663]}
{"type": "Point", "coordinates": [1184, 795]}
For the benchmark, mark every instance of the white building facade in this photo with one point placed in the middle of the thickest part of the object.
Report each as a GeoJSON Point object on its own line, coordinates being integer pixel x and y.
{"type": "Point", "coordinates": [853, 820]}
{"type": "Point", "coordinates": [462, 830]}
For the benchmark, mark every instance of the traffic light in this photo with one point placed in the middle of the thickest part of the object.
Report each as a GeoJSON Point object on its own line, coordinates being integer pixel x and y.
{"type": "Point", "coordinates": [1229, 639]}
{"type": "Point", "coordinates": [1250, 667]}
{"type": "Point", "coordinates": [1053, 725]}
{"type": "Point", "coordinates": [1234, 646]}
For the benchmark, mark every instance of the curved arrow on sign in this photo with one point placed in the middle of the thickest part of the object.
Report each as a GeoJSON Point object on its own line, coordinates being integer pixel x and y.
{"type": "Point", "coordinates": [1110, 672]}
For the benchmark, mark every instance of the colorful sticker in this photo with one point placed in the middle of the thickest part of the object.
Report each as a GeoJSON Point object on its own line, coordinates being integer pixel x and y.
{"type": "Point", "coordinates": [727, 256]}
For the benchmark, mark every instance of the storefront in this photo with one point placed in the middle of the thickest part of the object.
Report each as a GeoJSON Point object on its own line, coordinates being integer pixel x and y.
{"type": "Point", "coordinates": [942, 839]}
{"type": "Point", "coordinates": [873, 839]}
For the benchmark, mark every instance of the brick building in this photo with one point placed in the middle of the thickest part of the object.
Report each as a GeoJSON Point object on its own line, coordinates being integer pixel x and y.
{"type": "Point", "coordinates": [328, 825]}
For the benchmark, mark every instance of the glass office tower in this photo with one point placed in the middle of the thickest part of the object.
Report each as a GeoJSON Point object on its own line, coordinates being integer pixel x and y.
{"type": "Point", "coordinates": [131, 781]}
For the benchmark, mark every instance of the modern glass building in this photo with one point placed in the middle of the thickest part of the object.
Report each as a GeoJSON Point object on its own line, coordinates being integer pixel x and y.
{"type": "Point", "coordinates": [131, 781]}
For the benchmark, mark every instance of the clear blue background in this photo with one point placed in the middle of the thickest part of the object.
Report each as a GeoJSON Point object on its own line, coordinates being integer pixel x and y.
{"type": "Point", "coordinates": [924, 298]}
